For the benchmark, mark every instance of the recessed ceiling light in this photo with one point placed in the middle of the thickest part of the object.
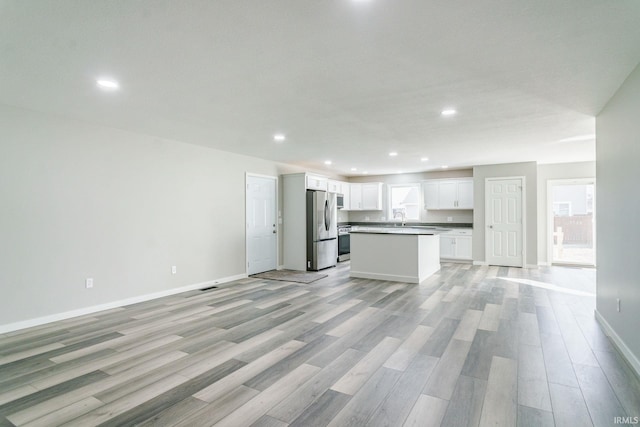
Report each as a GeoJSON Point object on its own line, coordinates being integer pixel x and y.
{"type": "Point", "coordinates": [424, 159]}
{"type": "Point", "coordinates": [327, 162]}
{"type": "Point", "coordinates": [354, 169]}
{"type": "Point", "coordinates": [108, 84]}
{"type": "Point", "coordinates": [449, 112]}
{"type": "Point", "coordinates": [278, 137]}
{"type": "Point", "coordinates": [393, 154]}
{"type": "Point", "coordinates": [398, 171]}
{"type": "Point", "coordinates": [444, 166]}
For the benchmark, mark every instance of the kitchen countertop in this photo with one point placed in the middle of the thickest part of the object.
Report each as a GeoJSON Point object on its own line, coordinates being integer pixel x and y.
{"type": "Point", "coordinates": [448, 225]}
{"type": "Point", "coordinates": [415, 231]}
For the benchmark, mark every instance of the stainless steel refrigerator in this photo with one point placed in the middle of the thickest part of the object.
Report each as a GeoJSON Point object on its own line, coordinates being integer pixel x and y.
{"type": "Point", "coordinates": [322, 230]}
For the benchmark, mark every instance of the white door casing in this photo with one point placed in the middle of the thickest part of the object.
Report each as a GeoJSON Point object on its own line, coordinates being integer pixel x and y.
{"type": "Point", "coordinates": [261, 220]}
{"type": "Point", "coordinates": [504, 198]}
{"type": "Point", "coordinates": [550, 231]}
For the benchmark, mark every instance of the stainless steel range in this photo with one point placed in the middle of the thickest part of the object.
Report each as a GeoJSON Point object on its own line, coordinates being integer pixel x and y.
{"type": "Point", "coordinates": [344, 243]}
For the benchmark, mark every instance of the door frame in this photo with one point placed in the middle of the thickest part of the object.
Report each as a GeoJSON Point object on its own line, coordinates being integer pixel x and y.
{"type": "Point", "coordinates": [247, 175]}
{"type": "Point", "coordinates": [523, 207]}
{"type": "Point", "coordinates": [568, 181]}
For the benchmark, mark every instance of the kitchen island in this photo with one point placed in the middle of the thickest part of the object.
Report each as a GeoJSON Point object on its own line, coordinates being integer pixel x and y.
{"type": "Point", "coordinates": [399, 254]}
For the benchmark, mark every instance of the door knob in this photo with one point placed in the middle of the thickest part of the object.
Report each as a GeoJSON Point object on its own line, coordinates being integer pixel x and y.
{"type": "Point", "coordinates": [491, 226]}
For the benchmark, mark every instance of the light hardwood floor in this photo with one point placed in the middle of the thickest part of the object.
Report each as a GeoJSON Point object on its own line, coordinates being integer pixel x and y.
{"type": "Point", "coordinates": [471, 346]}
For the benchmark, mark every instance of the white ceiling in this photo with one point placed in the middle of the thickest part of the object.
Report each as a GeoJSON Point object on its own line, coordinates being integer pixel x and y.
{"type": "Point", "coordinates": [345, 80]}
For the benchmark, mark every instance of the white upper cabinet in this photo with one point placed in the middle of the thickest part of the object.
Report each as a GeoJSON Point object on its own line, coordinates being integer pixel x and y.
{"type": "Point", "coordinates": [465, 194]}
{"type": "Point", "coordinates": [366, 196]}
{"type": "Point", "coordinates": [430, 189]}
{"type": "Point", "coordinates": [448, 194]}
{"type": "Point", "coordinates": [372, 196]}
{"type": "Point", "coordinates": [355, 198]}
{"type": "Point", "coordinates": [346, 193]}
{"type": "Point", "coordinates": [334, 186]}
{"type": "Point", "coordinates": [315, 182]}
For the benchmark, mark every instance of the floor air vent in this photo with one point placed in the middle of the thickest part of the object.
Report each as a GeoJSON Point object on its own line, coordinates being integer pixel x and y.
{"type": "Point", "coordinates": [209, 288]}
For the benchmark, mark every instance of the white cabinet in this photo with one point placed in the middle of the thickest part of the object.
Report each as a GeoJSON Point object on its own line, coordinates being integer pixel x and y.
{"type": "Point", "coordinates": [464, 248]}
{"type": "Point", "coordinates": [447, 248]}
{"type": "Point", "coordinates": [456, 245]}
{"type": "Point", "coordinates": [465, 194]}
{"type": "Point", "coordinates": [372, 196]}
{"type": "Point", "coordinates": [366, 196]}
{"type": "Point", "coordinates": [448, 194]}
{"type": "Point", "coordinates": [315, 182]}
{"type": "Point", "coordinates": [334, 186]}
{"type": "Point", "coordinates": [355, 199]}
{"type": "Point", "coordinates": [346, 193]}
{"type": "Point", "coordinates": [430, 189]}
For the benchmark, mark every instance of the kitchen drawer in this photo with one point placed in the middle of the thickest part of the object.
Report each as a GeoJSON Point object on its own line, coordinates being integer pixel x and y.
{"type": "Point", "coordinates": [458, 232]}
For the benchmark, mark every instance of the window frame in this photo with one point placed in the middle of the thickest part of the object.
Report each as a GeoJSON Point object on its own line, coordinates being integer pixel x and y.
{"type": "Point", "coordinates": [390, 188]}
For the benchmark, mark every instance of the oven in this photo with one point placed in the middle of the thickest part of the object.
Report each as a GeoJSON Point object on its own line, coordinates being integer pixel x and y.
{"type": "Point", "coordinates": [344, 243]}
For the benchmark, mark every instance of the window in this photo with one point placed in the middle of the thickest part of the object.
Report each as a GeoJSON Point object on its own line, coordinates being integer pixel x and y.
{"type": "Point", "coordinates": [404, 202]}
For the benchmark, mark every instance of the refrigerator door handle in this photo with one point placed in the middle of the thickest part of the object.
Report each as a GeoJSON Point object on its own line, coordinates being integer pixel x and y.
{"type": "Point", "coordinates": [327, 218]}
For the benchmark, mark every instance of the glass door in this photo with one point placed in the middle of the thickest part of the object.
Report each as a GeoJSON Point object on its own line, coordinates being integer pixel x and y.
{"type": "Point", "coordinates": [572, 222]}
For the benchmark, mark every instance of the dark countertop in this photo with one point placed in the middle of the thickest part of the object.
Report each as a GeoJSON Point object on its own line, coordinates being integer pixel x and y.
{"type": "Point", "coordinates": [410, 224]}
{"type": "Point", "coordinates": [411, 231]}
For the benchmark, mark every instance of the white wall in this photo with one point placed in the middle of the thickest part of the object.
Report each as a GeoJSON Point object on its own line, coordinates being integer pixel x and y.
{"type": "Point", "coordinates": [618, 208]}
{"type": "Point", "coordinates": [480, 173]}
{"type": "Point", "coordinates": [81, 201]}
{"type": "Point", "coordinates": [432, 216]}
{"type": "Point", "coordinates": [552, 172]}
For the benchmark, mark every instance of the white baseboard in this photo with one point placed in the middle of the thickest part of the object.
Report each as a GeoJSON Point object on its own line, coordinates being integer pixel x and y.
{"type": "Point", "coordinates": [10, 327]}
{"type": "Point", "coordinates": [543, 264]}
{"type": "Point", "coordinates": [280, 267]}
{"type": "Point", "coordinates": [486, 263]}
{"type": "Point", "coordinates": [631, 358]}
{"type": "Point", "coordinates": [456, 260]}
{"type": "Point", "coordinates": [386, 277]}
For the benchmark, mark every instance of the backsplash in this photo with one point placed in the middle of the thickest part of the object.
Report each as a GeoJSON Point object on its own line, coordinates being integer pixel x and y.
{"type": "Point", "coordinates": [343, 216]}
{"type": "Point", "coordinates": [456, 216]}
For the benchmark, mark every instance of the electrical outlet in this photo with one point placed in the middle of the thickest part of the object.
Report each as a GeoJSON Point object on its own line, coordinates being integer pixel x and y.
{"type": "Point", "coordinates": [88, 283]}
{"type": "Point", "coordinates": [449, 219]}
{"type": "Point", "coordinates": [174, 269]}
{"type": "Point", "coordinates": [618, 304]}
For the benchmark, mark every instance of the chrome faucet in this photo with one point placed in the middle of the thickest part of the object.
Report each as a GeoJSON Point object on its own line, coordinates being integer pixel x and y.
{"type": "Point", "coordinates": [402, 215]}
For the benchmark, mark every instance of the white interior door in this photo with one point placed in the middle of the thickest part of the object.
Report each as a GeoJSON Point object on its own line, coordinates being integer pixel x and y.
{"type": "Point", "coordinates": [504, 223]}
{"type": "Point", "coordinates": [262, 238]}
